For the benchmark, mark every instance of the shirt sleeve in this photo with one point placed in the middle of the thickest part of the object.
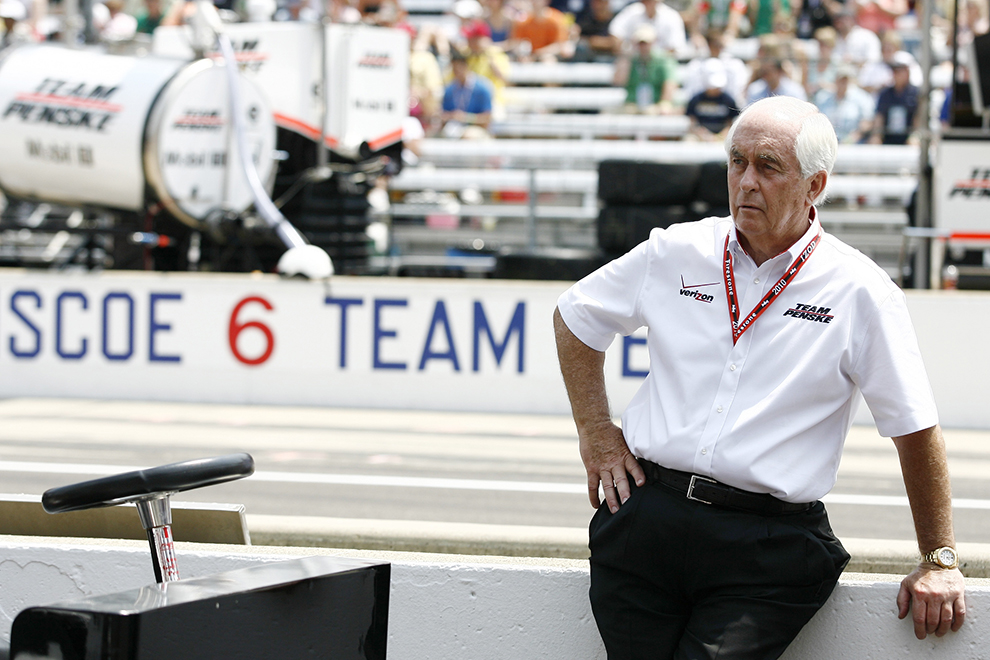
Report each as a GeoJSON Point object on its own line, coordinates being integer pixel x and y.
{"type": "Point", "coordinates": [619, 27]}
{"type": "Point", "coordinates": [891, 373]}
{"type": "Point", "coordinates": [606, 302]}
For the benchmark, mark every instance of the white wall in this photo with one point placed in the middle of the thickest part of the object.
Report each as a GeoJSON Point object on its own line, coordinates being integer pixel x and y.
{"type": "Point", "coordinates": [445, 607]}
{"type": "Point", "coordinates": [443, 344]}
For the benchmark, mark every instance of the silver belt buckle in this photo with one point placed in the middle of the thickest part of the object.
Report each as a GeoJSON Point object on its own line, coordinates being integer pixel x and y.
{"type": "Point", "coordinates": [694, 481]}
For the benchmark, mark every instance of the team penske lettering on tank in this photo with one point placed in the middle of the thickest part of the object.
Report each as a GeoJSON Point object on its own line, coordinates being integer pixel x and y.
{"type": "Point", "coordinates": [65, 103]}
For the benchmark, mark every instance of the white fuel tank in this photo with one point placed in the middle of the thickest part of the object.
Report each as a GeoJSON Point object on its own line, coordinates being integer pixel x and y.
{"type": "Point", "coordinates": [80, 127]}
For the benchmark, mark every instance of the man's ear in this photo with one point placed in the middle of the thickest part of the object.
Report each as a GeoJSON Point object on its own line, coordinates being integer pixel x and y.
{"type": "Point", "coordinates": [817, 183]}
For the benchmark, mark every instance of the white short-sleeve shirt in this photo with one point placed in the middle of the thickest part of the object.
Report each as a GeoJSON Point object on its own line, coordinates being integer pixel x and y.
{"type": "Point", "coordinates": [769, 413]}
{"type": "Point", "coordinates": [667, 23]}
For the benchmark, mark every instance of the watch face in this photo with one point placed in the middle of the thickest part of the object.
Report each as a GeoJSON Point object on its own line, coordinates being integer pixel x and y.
{"type": "Point", "coordinates": [946, 557]}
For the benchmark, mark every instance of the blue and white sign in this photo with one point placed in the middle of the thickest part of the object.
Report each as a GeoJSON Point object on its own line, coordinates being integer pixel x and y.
{"type": "Point", "coordinates": [365, 342]}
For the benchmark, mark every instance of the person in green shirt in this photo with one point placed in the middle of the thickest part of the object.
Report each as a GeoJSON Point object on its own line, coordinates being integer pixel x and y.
{"type": "Point", "coordinates": [150, 17]}
{"type": "Point", "coordinates": [650, 78]}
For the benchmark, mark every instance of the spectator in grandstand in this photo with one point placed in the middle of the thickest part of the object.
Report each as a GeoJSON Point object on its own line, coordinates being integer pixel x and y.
{"type": "Point", "coordinates": [488, 61]}
{"type": "Point", "coordinates": [572, 7]}
{"type": "Point", "coordinates": [874, 76]}
{"type": "Point", "coordinates": [854, 44]}
{"type": "Point", "coordinates": [766, 15]}
{"type": "Point", "coordinates": [773, 47]}
{"type": "Point", "coordinates": [543, 35]}
{"type": "Point", "coordinates": [665, 21]}
{"type": "Point", "coordinates": [390, 14]}
{"type": "Point", "coordinates": [112, 23]}
{"type": "Point", "coordinates": [342, 11]}
{"type": "Point", "coordinates": [650, 77]}
{"type": "Point", "coordinates": [723, 16]}
{"type": "Point", "coordinates": [713, 110]}
{"type": "Point", "coordinates": [467, 102]}
{"type": "Point", "coordinates": [880, 16]}
{"type": "Point", "coordinates": [814, 14]}
{"type": "Point", "coordinates": [149, 17]}
{"type": "Point", "coordinates": [15, 29]}
{"type": "Point", "coordinates": [595, 42]}
{"type": "Point", "coordinates": [425, 85]}
{"type": "Point", "coordinates": [773, 81]}
{"type": "Point", "coordinates": [897, 114]}
{"type": "Point", "coordinates": [467, 12]}
{"type": "Point", "coordinates": [820, 73]}
{"type": "Point", "coordinates": [849, 108]}
{"type": "Point", "coordinates": [736, 72]}
{"type": "Point", "coordinates": [499, 19]}
{"type": "Point", "coordinates": [376, 12]}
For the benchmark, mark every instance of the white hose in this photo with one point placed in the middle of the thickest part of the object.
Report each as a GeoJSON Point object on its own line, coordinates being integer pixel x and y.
{"type": "Point", "coordinates": [289, 234]}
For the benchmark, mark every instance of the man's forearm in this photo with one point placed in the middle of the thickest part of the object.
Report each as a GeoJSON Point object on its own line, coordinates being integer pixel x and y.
{"type": "Point", "coordinates": [926, 478]}
{"type": "Point", "coordinates": [584, 376]}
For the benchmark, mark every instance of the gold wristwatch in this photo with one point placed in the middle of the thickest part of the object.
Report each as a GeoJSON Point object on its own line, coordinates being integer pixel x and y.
{"type": "Point", "coordinates": [945, 557]}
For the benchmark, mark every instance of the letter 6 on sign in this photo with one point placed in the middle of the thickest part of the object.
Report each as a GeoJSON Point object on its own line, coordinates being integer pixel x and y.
{"type": "Point", "coordinates": [235, 328]}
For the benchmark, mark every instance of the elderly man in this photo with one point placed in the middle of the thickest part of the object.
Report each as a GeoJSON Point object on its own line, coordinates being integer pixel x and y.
{"type": "Point", "coordinates": [762, 329]}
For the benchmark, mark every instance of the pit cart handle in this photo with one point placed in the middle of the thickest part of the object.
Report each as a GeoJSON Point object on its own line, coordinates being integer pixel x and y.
{"type": "Point", "coordinates": [150, 490]}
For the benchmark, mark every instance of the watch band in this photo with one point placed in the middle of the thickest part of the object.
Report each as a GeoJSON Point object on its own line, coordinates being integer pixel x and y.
{"type": "Point", "coordinates": [945, 557]}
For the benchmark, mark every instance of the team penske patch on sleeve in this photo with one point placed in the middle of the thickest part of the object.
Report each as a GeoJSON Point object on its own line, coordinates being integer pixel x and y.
{"type": "Point", "coordinates": [810, 313]}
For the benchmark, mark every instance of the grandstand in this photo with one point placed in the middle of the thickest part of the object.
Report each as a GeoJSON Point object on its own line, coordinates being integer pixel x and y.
{"type": "Point", "coordinates": [534, 185]}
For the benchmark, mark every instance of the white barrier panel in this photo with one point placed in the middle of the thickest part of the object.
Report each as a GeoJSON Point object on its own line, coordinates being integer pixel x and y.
{"type": "Point", "coordinates": [456, 608]}
{"type": "Point", "coordinates": [473, 345]}
{"type": "Point", "coordinates": [365, 342]}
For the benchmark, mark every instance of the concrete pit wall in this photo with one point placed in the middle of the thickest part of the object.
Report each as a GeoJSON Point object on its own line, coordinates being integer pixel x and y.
{"type": "Point", "coordinates": [454, 607]}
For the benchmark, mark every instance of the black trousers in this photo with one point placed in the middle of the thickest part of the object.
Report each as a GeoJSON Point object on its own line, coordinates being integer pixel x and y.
{"type": "Point", "coordinates": [672, 578]}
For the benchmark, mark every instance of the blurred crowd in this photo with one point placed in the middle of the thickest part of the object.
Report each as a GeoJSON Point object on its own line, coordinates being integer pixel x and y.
{"type": "Point", "coordinates": [856, 59]}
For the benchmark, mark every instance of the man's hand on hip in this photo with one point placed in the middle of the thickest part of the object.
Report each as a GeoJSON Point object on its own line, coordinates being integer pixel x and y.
{"type": "Point", "coordinates": [608, 462]}
{"type": "Point", "coordinates": [936, 599]}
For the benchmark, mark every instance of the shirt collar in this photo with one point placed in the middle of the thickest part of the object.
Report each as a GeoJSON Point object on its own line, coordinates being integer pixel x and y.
{"type": "Point", "coordinates": [814, 226]}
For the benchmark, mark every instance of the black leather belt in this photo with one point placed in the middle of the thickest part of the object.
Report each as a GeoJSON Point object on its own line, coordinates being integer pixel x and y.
{"type": "Point", "coordinates": [709, 491]}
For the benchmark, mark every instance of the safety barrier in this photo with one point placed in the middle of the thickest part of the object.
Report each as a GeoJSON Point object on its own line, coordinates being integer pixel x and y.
{"type": "Point", "coordinates": [453, 607]}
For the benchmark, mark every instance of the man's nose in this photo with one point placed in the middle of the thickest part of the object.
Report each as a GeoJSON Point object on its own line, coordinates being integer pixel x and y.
{"type": "Point", "coordinates": [748, 180]}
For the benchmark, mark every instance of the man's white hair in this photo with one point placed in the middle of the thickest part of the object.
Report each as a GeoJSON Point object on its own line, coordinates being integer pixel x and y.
{"type": "Point", "coordinates": [816, 144]}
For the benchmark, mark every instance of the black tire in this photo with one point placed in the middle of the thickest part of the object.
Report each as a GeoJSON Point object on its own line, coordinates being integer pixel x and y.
{"type": "Point", "coordinates": [561, 264]}
{"type": "Point", "coordinates": [713, 185]}
{"type": "Point", "coordinates": [639, 182]}
{"type": "Point", "coordinates": [621, 228]}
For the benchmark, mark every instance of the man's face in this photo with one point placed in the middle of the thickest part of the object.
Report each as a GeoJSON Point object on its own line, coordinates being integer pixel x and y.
{"type": "Point", "coordinates": [772, 75]}
{"type": "Point", "coordinates": [843, 24]}
{"type": "Point", "coordinates": [768, 196]}
{"type": "Point", "coordinates": [841, 86]}
{"type": "Point", "coordinates": [460, 69]}
{"type": "Point", "coordinates": [902, 76]}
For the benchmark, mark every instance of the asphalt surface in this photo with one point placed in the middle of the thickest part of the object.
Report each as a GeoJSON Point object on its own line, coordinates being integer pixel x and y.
{"type": "Point", "coordinates": [414, 465]}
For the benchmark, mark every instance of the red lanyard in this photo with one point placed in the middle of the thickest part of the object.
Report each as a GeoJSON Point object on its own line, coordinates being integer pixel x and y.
{"type": "Point", "coordinates": [739, 327]}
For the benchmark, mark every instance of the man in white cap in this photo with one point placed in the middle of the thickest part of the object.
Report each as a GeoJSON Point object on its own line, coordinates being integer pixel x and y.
{"type": "Point", "coordinates": [848, 107]}
{"type": "Point", "coordinates": [712, 111]}
{"type": "Point", "coordinates": [897, 115]}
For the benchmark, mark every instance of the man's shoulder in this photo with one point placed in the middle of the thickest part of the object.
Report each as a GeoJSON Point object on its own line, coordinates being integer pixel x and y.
{"type": "Point", "coordinates": [701, 233]}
